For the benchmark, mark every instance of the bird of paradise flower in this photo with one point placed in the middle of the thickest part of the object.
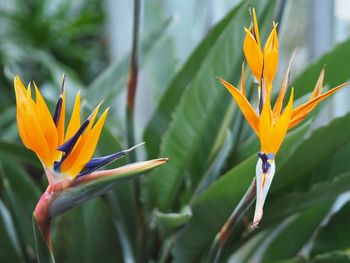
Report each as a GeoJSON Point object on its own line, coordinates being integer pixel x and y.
{"type": "Point", "coordinates": [66, 156]}
{"type": "Point", "coordinates": [270, 124]}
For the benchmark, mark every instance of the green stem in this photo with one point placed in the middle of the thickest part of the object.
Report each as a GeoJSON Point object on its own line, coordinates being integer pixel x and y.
{"type": "Point", "coordinates": [225, 232]}
{"type": "Point", "coordinates": [130, 111]}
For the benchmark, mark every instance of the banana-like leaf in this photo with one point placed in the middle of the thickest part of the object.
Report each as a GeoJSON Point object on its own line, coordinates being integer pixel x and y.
{"type": "Point", "coordinates": [332, 257]}
{"type": "Point", "coordinates": [85, 233]}
{"type": "Point", "coordinates": [294, 234]}
{"type": "Point", "coordinates": [10, 248]}
{"type": "Point", "coordinates": [161, 118]}
{"type": "Point", "coordinates": [16, 151]}
{"type": "Point", "coordinates": [199, 118]}
{"type": "Point", "coordinates": [87, 187]}
{"type": "Point", "coordinates": [335, 234]}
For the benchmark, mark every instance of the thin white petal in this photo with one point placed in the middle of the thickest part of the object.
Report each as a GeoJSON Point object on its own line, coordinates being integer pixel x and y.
{"type": "Point", "coordinates": [262, 190]}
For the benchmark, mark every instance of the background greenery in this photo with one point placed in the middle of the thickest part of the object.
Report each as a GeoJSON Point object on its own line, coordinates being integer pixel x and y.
{"type": "Point", "coordinates": [190, 118]}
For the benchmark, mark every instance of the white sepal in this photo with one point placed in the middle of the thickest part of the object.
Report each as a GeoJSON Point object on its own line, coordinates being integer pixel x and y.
{"type": "Point", "coordinates": [262, 189]}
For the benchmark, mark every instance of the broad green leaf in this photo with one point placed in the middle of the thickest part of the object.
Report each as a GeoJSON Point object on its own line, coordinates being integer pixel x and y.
{"type": "Point", "coordinates": [335, 234]}
{"type": "Point", "coordinates": [336, 69]}
{"type": "Point", "coordinates": [20, 195]}
{"type": "Point", "coordinates": [10, 248]}
{"type": "Point", "coordinates": [87, 187]}
{"type": "Point", "coordinates": [162, 116]}
{"type": "Point", "coordinates": [214, 170]}
{"type": "Point", "coordinates": [85, 234]}
{"type": "Point", "coordinates": [315, 151]}
{"type": "Point", "coordinates": [295, 233]}
{"type": "Point", "coordinates": [199, 118]}
{"type": "Point", "coordinates": [332, 257]}
{"type": "Point", "coordinates": [17, 152]}
{"type": "Point", "coordinates": [283, 205]}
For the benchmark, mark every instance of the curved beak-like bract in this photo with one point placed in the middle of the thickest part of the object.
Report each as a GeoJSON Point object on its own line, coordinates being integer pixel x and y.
{"type": "Point", "coordinates": [270, 124]}
{"type": "Point", "coordinates": [66, 154]}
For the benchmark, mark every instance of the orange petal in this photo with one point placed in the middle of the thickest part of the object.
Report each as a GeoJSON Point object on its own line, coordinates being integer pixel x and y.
{"type": "Point", "coordinates": [20, 104]}
{"type": "Point", "coordinates": [46, 123]}
{"type": "Point", "coordinates": [281, 127]}
{"type": "Point", "coordinates": [265, 127]}
{"type": "Point", "coordinates": [277, 109]}
{"type": "Point", "coordinates": [89, 146]}
{"type": "Point", "coordinates": [35, 136]}
{"type": "Point", "coordinates": [271, 56]}
{"type": "Point", "coordinates": [79, 147]}
{"type": "Point", "coordinates": [75, 122]}
{"type": "Point", "coordinates": [243, 90]}
{"type": "Point", "coordinates": [300, 112]}
{"type": "Point", "coordinates": [318, 87]}
{"type": "Point", "coordinates": [256, 29]}
{"type": "Point", "coordinates": [244, 105]}
{"type": "Point", "coordinates": [253, 55]}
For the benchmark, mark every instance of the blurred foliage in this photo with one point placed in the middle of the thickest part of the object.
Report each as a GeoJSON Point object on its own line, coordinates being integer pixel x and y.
{"type": "Point", "coordinates": [40, 39]}
{"type": "Point", "coordinates": [195, 122]}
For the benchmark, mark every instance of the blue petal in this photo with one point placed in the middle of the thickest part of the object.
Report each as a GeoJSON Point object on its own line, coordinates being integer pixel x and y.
{"type": "Point", "coordinates": [96, 163]}
{"type": "Point", "coordinates": [58, 108]}
{"type": "Point", "coordinates": [57, 113]}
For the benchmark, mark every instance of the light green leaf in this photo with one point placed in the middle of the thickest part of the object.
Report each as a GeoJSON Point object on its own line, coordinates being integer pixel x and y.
{"type": "Point", "coordinates": [199, 118]}
{"type": "Point", "coordinates": [335, 234]}
{"type": "Point", "coordinates": [162, 116]}
{"type": "Point", "coordinates": [168, 222]}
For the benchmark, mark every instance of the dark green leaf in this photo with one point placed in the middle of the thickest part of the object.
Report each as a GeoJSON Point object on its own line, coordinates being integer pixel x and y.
{"type": "Point", "coordinates": [335, 234]}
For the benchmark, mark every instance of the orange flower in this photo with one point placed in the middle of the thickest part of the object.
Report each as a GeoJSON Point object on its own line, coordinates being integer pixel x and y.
{"type": "Point", "coordinates": [262, 62]}
{"type": "Point", "coordinates": [64, 155]}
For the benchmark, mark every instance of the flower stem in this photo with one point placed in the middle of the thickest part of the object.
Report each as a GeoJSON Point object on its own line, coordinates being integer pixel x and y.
{"type": "Point", "coordinates": [133, 77]}
{"type": "Point", "coordinates": [225, 232]}
{"type": "Point", "coordinates": [130, 128]}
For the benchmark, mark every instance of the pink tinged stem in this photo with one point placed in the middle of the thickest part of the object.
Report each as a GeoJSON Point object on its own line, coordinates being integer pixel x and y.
{"type": "Point", "coordinates": [41, 214]}
{"type": "Point", "coordinates": [263, 183]}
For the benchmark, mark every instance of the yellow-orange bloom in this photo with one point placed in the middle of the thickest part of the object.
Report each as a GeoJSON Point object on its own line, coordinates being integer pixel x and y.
{"type": "Point", "coordinates": [262, 62]}
{"type": "Point", "coordinates": [64, 154]}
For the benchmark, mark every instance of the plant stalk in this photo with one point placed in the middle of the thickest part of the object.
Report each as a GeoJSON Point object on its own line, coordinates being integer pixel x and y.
{"type": "Point", "coordinates": [133, 78]}
{"type": "Point", "coordinates": [130, 122]}
{"type": "Point", "coordinates": [225, 232]}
